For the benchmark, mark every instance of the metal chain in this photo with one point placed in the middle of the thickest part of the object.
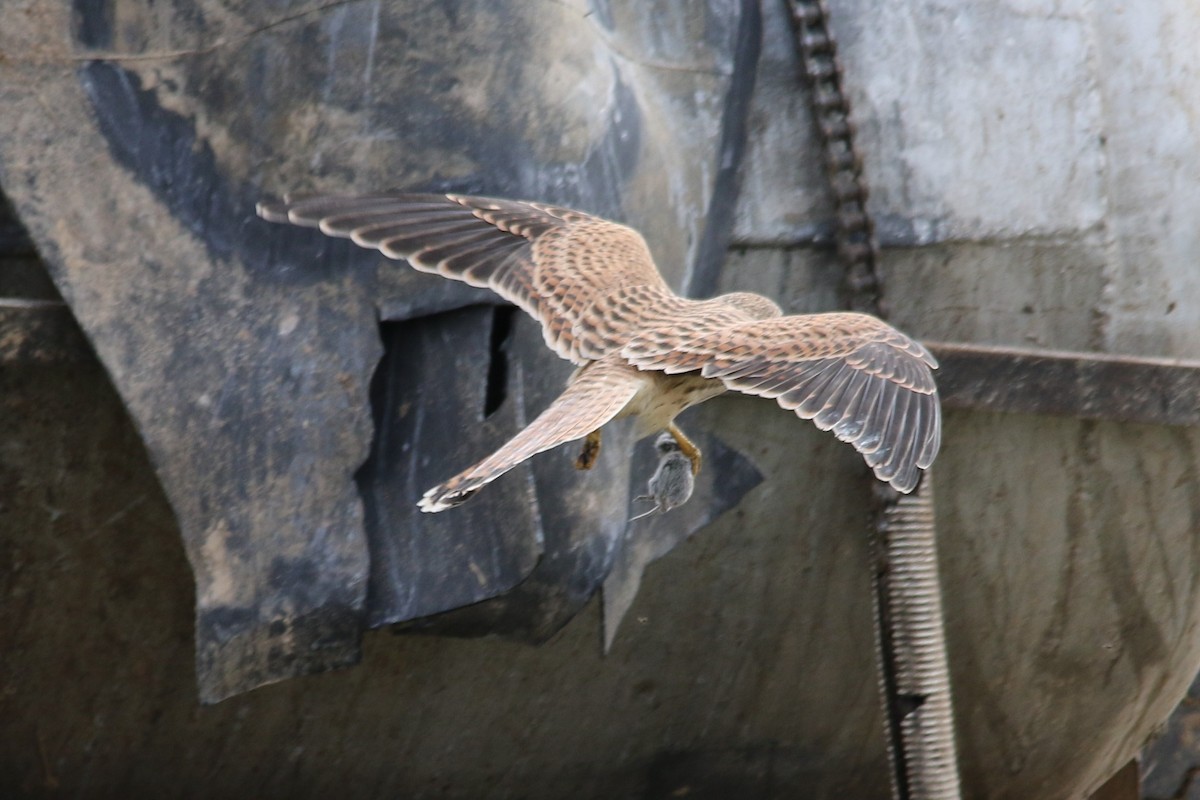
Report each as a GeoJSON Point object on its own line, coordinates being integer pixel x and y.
{"type": "Point", "coordinates": [910, 638]}
{"type": "Point", "coordinates": [856, 241]}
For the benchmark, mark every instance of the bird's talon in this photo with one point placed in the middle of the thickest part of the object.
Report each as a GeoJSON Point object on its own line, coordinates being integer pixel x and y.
{"type": "Point", "coordinates": [590, 452]}
{"type": "Point", "coordinates": [687, 447]}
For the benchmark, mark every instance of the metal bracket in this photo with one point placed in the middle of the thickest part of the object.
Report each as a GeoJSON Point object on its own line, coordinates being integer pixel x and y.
{"type": "Point", "coordinates": [1156, 391]}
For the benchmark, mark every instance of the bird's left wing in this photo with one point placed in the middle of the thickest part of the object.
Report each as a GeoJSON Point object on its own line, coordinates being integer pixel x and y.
{"type": "Point", "coordinates": [849, 373]}
{"type": "Point", "coordinates": [552, 262]}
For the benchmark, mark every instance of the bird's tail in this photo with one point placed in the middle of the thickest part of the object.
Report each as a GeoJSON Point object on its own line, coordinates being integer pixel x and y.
{"type": "Point", "coordinates": [597, 394]}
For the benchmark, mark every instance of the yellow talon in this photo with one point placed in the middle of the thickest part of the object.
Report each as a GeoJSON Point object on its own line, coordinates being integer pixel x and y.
{"type": "Point", "coordinates": [687, 447]}
{"type": "Point", "coordinates": [590, 452]}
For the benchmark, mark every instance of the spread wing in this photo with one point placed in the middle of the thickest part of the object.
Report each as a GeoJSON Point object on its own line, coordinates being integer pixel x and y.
{"type": "Point", "coordinates": [552, 262]}
{"type": "Point", "coordinates": [849, 373]}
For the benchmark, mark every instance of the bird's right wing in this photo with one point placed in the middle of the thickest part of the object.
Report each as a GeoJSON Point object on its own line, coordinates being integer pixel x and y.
{"type": "Point", "coordinates": [849, 373]}
{"type": "Point", "coordinates": [552, 262]}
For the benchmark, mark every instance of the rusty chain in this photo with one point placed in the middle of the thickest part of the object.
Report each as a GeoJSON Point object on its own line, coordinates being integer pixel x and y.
{"type": "Point", "coordinates": [856, 241]}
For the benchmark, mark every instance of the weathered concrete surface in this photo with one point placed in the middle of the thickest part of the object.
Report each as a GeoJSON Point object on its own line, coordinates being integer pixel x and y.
{"type": "Point", "coordinates": [1068, 548]}
{"type": "Point", "coordinates": [1033, 169]}
{"type": "Point", "coordinates": [1066, 124]}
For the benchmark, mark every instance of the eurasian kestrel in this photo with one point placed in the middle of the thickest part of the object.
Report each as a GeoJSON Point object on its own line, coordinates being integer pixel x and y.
{"type": "Point", "coordinates": [640, 348]}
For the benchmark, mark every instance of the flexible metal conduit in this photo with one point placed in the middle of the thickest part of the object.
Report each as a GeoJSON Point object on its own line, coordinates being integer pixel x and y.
{"type": "Point", "coordinates": [914, 674]}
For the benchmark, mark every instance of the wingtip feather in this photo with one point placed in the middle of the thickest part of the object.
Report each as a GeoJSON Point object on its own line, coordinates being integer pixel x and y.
{"type": "Point", "coordinates": [271, 211]}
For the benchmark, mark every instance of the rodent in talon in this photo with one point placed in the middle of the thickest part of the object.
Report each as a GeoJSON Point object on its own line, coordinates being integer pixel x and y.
{"type": "Point", "coordinates": [672, 483]}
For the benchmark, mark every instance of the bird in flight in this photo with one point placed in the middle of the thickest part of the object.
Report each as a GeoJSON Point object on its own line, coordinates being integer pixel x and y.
{"type": "Point", "coordinates": [640, 349]}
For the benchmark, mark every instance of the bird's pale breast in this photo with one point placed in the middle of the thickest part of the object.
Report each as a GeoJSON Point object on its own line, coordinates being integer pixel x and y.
{"type": "Point", "coordinates": [663, 397]}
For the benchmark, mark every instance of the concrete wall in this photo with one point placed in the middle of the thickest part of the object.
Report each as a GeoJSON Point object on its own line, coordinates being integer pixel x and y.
{"type": "Point", "coordinates": [1034, 170]}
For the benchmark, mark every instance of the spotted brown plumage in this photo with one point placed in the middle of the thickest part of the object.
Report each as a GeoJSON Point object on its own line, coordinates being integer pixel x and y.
{"type": "Point", "coordinates": [641, 349]}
